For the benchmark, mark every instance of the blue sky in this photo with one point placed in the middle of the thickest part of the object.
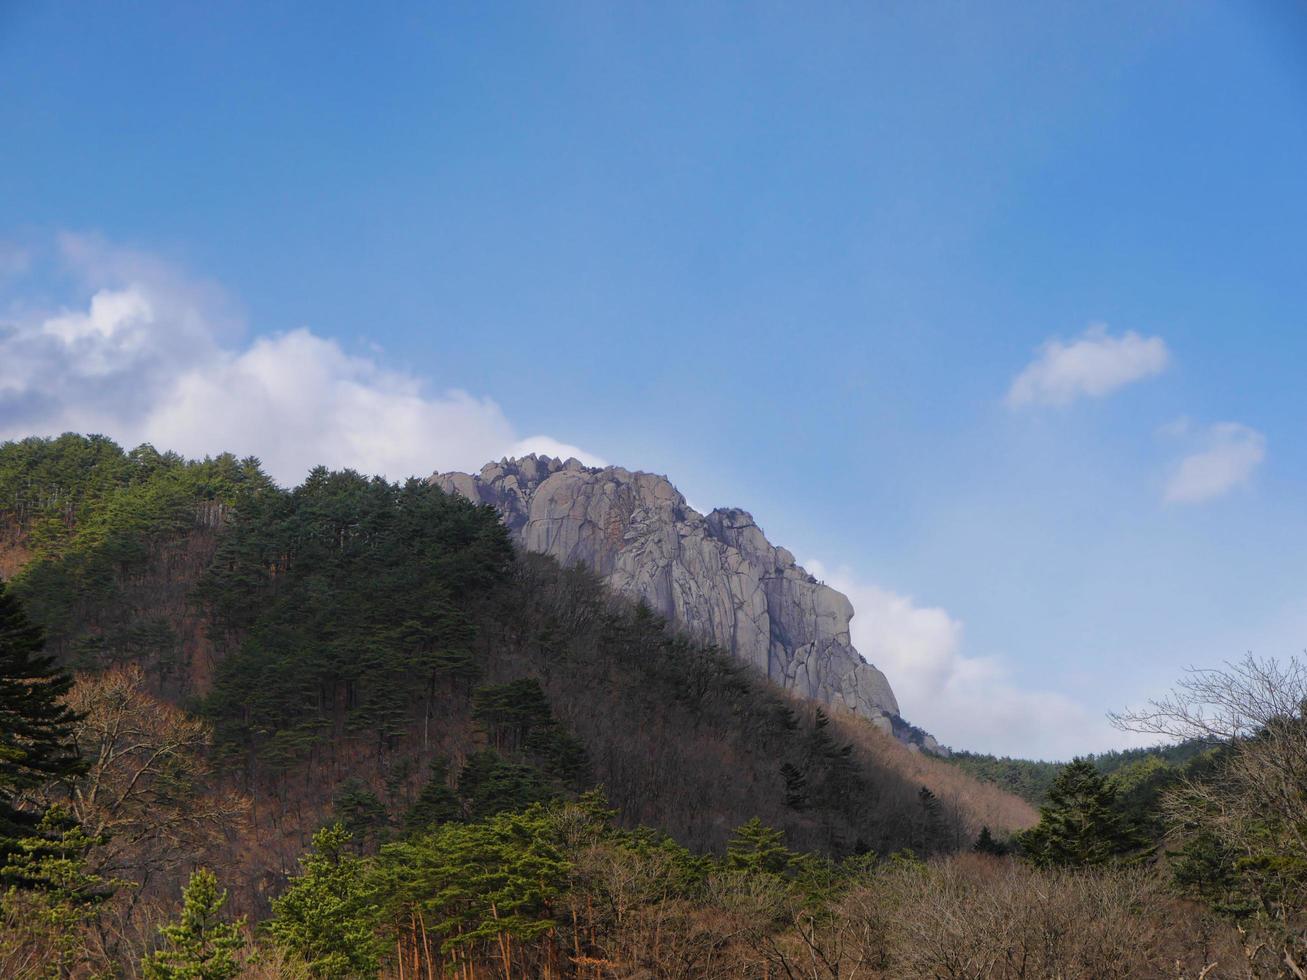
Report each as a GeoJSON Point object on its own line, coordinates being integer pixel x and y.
{"type": "Point", "coordinates": [795, 256]}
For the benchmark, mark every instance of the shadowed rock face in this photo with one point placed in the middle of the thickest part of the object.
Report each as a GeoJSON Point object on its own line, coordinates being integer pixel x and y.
{"type": "Point", "coordinates": [716, 575]}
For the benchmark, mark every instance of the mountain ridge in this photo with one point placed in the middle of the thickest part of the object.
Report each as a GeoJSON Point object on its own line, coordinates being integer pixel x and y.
{"type": "Point", "coordinates": [716, 575]}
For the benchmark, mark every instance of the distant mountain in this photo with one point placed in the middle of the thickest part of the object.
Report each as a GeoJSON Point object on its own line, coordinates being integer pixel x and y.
{"type": "Point", "coordinates": [715, 575]}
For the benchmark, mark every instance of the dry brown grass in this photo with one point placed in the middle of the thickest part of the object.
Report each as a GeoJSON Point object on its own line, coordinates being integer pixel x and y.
{"type": "Point", "coordinates": [981, 804]}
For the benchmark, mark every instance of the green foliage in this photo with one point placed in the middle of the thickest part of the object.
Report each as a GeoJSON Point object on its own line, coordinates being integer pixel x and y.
{"type": "Point", "coordinates": [757, 848]}
{"type": "Point", "coordinates": [45, 886]}
{"type": "Point", "coordinates": [58, 479]}
{"type": "Point", "coordinates": [353, 609]}
{"type": "Point", "coordinates": [1207, 868]}
{"type": "Point", "coordinates": [830, 778]}
{"type": "Point", "coordinates": [491, 784]}
{"type": "Point", "coordinates": [200, 945]}
{"type": "Point", "coordinates": [351, 596]}
{"type": "Point", "coordinates": [987, 843]}
{"type": "Point", "coordinates": [1240, 823]}
{"type": "Point", "coordinates": [516, 715]}
{"type": "Point", "coordinates": [328, 916]}
{"type": "Point", "coordinates": [53, 860]}
{"type": "Point", "coordinates": [361, 813]}
{"type": "Point", "coordinates": [468, 883]}
{"type": "Point", "coordinates": [36, 727]}
{"type": "Point", "coordinates": [94, 514]}
{"type": "Point", "coordinates": [933, 829]}
{"type": "Point", "coordinates": [560, 755]}
{"type": "Point", "coordinates": [796, 786]}
{"type": "Point", "coordinates": [1025, 778]}
{"type": "Point", "coordinates": [1080, 824]}
{"type": "Point", "coordinates": [510, 712]}
{"type": "Point", "coordinates": [1031, 779]}
{"type": "Point", "coordinates": [436, 802]}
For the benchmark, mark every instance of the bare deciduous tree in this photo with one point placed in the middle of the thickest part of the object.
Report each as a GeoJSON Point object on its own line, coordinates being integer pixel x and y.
{"type": "Point", "coordinates": [1253, 807]}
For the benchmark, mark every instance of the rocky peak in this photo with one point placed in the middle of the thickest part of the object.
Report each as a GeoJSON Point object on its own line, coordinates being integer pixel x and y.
{"type": "Point", "coordinates": [716, 575]}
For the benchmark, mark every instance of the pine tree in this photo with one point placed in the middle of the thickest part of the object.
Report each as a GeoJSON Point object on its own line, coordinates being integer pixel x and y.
{"type": "Point", "coordinates": [326, 915]}
{"type": "Point", "coordinates": [490, 784]}
{"type": "Point", "coordinates": [932, 833]}
{"type": "Point", "coordinates": [436, 803]}
{"type": "Point", "coordinates": [59, 896]}
{"type": "Point", "coordinates": [987, 843]}
{"type": "Point", "coordinates": [36, 727]}
{"type": "Point", "coordinates": [464, 885]}
{"type": "Point", "coordinates": [1080, 824]}
{"type": "Point", "coordinates": [757, 848]}
{"type": "Point", "coordinates": [362, 813]}
{"type": "Point", "coordinates": [509, 712]}
{"type": "Point", "coordinates": [200, 945]}
{"type": "Point", "coordinates": [796, 787]}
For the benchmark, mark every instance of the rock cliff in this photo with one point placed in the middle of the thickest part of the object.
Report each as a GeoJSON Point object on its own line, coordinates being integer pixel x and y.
{"type": "Point", "coordinates": [715, 574]}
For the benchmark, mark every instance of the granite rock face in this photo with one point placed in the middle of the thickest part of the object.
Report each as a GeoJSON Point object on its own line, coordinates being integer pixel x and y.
{"type": "Point", "coordinates": [717, 575]}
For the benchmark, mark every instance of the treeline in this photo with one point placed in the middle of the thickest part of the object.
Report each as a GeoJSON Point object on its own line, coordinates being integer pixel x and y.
{"type": "Point", "coordinates": [399, 620]}
{"type": "Point", "coordinates": [1031, 779]}
{"type": "Point", "coordinates": [379, 742]}
{"type": "Point", "coordinates": [254, 663]}
{"type": "Point", "coordinates": [108, 544]}
{"type": "Point", "coordinates": [559, 890]}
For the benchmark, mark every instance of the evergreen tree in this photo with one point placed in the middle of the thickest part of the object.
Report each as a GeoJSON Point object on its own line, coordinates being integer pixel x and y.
{"type": "Point", "coordinates": [1080, 824]}
{"type": "Point", "coordinates": [36, 727]}
{"type": "Point", "coordinates": [796, 787]}
{"type": "Point", "coordinates": [436, 803]}
{"type": "Point", "coordinates": [987, 843]}
{"type": "Point", "coordinates": [831, 777]}
{"type": "Point", "coordinates": [326, 916]}
{"type": "Point", "coordinates": [491, 784]}
{"type": "Point", "coordinates": [757, 848]}
{"type": "Point", "coordinates": [932, 833]}
{"type": "Point", "coordinates": [59, 895]}
{"type": "Point", "coordinates": [560, 754]}
{"type": "Point", "coordinates": [490, 882]}
{"type": "Point", "coordinates": [362, 813]}
{"type": "Point", "coordinates": [200, 945]}
{"type": "Point", "coordinates": [1206, 866]}
{"type": "Point", "coordinates": [509, 712]}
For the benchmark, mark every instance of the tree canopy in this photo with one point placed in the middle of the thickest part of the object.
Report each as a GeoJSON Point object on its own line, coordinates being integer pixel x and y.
{"type": "Point", "coordinates": [36, 726]}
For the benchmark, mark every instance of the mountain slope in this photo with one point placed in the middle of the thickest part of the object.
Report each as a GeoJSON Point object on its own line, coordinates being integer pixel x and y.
{"type": "Point", "coordinates": [351, 637]}
{"type": "Point", "coordinates": [717, 576]}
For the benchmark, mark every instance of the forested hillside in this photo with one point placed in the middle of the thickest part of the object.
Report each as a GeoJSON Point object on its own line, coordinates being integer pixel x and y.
{"type": "Point", "coordinates": [254, 663]}
{"type": "Point", "coordinates": [347, 730]}
{"type": "Point", "coordinates": [1031, 779]}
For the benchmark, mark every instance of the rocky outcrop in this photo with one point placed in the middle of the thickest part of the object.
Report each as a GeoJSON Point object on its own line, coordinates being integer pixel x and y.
{"type": "Point", "coordinates": [717, 574]}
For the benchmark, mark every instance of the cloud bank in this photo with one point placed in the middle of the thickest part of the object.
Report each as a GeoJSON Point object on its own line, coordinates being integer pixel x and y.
{"type": "Point", "coordinates": [964, 701]}
{"type": "Point", "coordinates": [1091, 366]}
{"type": "Point", "coordinates": [1228, 459]}
{"type": "Point", "coordinates": [155, 356]}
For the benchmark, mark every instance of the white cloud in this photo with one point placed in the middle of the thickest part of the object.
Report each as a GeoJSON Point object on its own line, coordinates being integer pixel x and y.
{"type": "Point", "coordinates": [1176, 428]}
{"type": "Point", "coordinates": [1093, 365]}
{"type": "Point", "coordinates": [1230, 455]}
{"type": "Point", "coordinates": [154, 356]}
{"type": "Point", "coordinates": [964, 701]}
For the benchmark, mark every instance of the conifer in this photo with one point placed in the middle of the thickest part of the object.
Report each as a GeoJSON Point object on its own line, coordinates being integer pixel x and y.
{"type": "Point", "coordinates": [36, 726]}
{"type": "Point", "coordinates": [755, 848]}
{"type": "Point", "coordinates": [199, 945]}
{"type": "Point", "coordinates": [1080, 824]}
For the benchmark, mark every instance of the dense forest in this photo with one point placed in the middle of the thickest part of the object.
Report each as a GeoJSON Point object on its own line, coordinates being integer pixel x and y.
{"type": "Point", "coordinates": [346, 730]}
{"type": "Point", "coordinates": [1031, 779]}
